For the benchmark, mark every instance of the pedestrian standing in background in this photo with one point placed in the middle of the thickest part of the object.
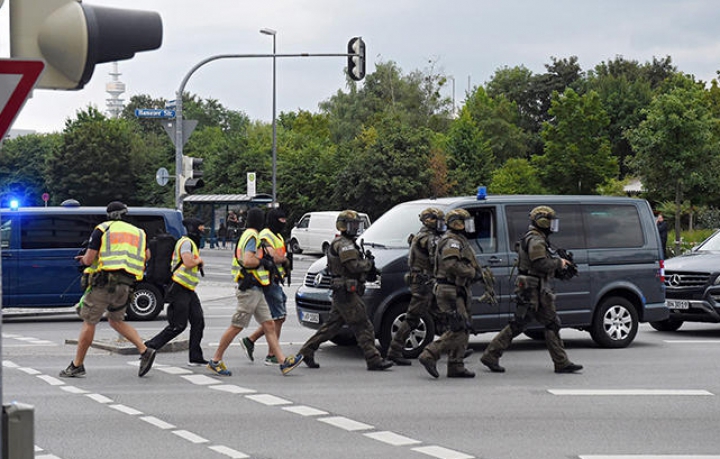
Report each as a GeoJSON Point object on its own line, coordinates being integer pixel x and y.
{"type": "Point", "coordinates": [663, 230]}
{"type": "Point", "coordinates": [115, 259]}
{"type": "Point", "coordinates": [184, 303]}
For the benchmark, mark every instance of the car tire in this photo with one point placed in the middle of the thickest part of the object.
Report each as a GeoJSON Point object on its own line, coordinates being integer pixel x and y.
{"type": "Point", "coordinates": [295, 246]}
{"type": "Point", "coordinates": [145, 303]}
{"type": "Point", "coordinates": [423, 335]}
{"type": "Point", "coordinates": [668, 325]}
{"type": "Point", "coordinates": [615, 324]}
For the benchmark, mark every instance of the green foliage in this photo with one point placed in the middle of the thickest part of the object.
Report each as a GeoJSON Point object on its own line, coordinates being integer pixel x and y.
{"type": "Point", "coordinates": [22, 168]}
{"type": "Point", "coordinates": [517, 176]}
{"type": "Point", "coordinates": [470, 157]}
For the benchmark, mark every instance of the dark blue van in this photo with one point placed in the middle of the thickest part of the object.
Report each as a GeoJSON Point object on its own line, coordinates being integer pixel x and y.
{"type": "Point", "coordinates": [39, 245]}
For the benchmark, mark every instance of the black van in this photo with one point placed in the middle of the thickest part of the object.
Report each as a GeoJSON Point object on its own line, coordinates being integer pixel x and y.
{"type": "Point", "coordinates": [39, 245]}
{"type": "Point", "coordinates": [614, 241]}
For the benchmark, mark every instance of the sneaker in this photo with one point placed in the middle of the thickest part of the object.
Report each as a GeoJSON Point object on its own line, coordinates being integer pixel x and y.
{"type": "Point", "coordinates": [197, 363]}
{"type": "Point", "coordinates": [271, 360]}
{"type": "Point", "coordinates": [72, 371]}
{"type": "Point", "coordinates": [290, 363]}
{"type": "Point", "coordinates": [219, 368]}
{"type": "Point", "coordinates": [249, 347]}
{"type": "Point", "coordinates": [146, 360]}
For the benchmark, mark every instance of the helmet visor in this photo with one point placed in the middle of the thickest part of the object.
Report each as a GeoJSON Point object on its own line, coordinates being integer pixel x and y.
{"type": "Point", "coordinates": [440, 225]}
{"type": "Point", "coordinates": [554, 225]}
{"type": "Point", "coordinates": [469, 225]}
{"type": "Point", "coordinates": [355, 227]}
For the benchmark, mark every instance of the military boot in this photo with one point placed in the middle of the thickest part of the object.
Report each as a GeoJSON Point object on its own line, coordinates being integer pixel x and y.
{"type": "Point", "coordinates": [460, 373]}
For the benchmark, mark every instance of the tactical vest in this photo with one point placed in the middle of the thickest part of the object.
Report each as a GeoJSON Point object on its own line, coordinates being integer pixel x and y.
{"type": "Point", "coordinates": [421, 258]}
{"type": "Point", "coordinates": [452, 245]}
{"type": "Point", "coordinates": [260, 274]}
{"type": "Point", "coordinates": [187, 277]}
{"type": "Point", "coordinates": [277, 242]}
{"type": "Point", "coordinates": [341, 250]}
{"type": "Point", "coordinates": [530, 248]}
{"type": "Point", "coordinates": [122, 247]}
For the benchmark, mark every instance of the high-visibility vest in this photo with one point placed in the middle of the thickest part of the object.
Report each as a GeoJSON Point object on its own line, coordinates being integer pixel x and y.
{"type": "Point", "coordinates": [122, 247]}
{"type": "Point", "coordinates": [277, 242]}
{"type": "Point", "coordinates": [187, 277]}
{"type": "Point", "coordinates": [261, 274]}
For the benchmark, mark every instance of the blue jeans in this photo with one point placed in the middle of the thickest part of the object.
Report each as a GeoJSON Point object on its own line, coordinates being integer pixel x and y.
{"type": "Point", "coordinates": [276, 299]}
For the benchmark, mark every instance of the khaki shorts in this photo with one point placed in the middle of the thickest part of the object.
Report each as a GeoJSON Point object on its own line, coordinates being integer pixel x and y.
{"type": "Point", "coordinates": [250, 302]}
{"type": "Point", "coordinates": [96, 301]}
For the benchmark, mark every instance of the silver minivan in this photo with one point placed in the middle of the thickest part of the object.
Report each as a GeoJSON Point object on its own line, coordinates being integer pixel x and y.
{"type": "Point", "coordinates": [614, 241]}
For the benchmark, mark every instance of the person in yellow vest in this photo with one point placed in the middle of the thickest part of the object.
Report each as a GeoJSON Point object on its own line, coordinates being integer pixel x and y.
{"type": "Point", "coordinates": [115, 259]}
{"type": "Point", "coordinates": [251, 271]}
{"type": "Point", "coordinates": [184, 304]}
{"type": "Point", "coordinates": [273, 242]}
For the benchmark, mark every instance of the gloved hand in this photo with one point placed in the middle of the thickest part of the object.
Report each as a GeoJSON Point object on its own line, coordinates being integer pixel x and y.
{"type": "Point", "coordinates": [267, 263]}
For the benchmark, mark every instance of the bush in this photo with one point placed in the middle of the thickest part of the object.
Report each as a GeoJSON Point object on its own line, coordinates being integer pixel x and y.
{"type": "Point", "coordinates": [688, 240]}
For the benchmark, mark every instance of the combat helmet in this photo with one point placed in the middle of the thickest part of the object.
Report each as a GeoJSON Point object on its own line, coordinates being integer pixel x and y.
{"type": "Point", "coordinates": [430, 216]}
{"type": "Point", "coordinates": [456, 218]}
{"type": "Point", "coordinates": [542, 216]}
{"type": "Point", "coordinates": [348, 222]}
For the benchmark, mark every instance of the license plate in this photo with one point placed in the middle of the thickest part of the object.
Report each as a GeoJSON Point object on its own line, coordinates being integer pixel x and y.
{"type": "Point", "coordinates": [312, 317]}
{"type": "Point", "coordinates": [677, 304]}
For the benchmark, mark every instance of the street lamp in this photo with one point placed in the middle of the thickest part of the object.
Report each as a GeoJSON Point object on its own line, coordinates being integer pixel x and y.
{"type": "Point", "coordinates": [274, 122]}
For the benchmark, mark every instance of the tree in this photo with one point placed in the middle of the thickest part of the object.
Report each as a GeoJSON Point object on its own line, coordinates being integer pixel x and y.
{"type": "Point", "coordinates": [675, 147]}
{"type": "Point", "coordinates": [22, 167]}
{"type": "Point", "coordinates": [516, 176]}
{"type": "Point", "coordinates": [577, 151]}
{"type": "Point", "coordinates": [95, 163]}
{"type": "Point", "coordinates": [470, 158]}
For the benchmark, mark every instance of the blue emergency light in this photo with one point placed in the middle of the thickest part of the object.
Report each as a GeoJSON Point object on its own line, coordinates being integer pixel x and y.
{"type": "Point", "coordinates": [481, 193]}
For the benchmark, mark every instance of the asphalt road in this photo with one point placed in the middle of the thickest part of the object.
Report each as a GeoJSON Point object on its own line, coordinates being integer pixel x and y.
{"type": "Point", "coordinates": [656, 399]}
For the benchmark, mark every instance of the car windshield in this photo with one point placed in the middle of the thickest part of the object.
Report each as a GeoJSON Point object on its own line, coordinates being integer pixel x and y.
{"type": "Point", "coordinates": [394, 226]}
{"type": "Point", "coordinates": [711, 244]}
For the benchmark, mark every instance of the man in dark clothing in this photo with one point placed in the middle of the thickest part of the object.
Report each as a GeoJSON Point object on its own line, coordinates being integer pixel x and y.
{"type": "Point", "coordinates": [184, 304]}
{"type": "Point", "coordinates": [663, 230]}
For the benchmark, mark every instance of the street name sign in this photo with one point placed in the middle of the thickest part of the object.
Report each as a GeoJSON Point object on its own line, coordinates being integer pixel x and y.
{"type": "Point", "coordinates": [154, 113]}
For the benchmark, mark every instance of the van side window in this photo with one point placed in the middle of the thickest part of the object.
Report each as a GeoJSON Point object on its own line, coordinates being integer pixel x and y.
{"type": "Point", "coordinates": [304, 223]}
{"type": "Point", "coordinates": [56, 231]}
{"type": "Point", "coordinates": [5, 234]}
{"type": "Point", "coordinates": [613, 226]}
{"type": "Point", "coordinates": [570, 236]}
{"type": "Point", "coordinates": [485, 235]}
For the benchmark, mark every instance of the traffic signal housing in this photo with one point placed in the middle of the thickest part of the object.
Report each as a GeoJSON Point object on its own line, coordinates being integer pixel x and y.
{"type": "Point", "coordinates": [72, 37]}
{"type": "Point", "coordinates": [356, 59]}
{"type": "Point", "coordinates": [191, 177]}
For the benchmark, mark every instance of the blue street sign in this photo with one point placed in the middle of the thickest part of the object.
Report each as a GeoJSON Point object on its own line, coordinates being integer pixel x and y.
{"type": "Point", "coordinates": [154, 113]}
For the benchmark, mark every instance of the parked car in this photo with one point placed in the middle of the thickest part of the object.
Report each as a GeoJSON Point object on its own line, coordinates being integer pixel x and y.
{"type": "Point", "coordinates": [316, 230]}
{"type": "Point", "coordinates": [614, 240]}
{"type": "Point", "coordinates": [39, 245]}
{"type": "Point", "coordinates": [692, 286]}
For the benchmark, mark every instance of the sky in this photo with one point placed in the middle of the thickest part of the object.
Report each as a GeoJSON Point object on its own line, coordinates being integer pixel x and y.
{"type": "Point", "coordinates": [467, 40]}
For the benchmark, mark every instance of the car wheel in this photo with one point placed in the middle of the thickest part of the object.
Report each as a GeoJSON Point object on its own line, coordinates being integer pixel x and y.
{"type": "Point", "coordinates": [145, 303]}
{"type": "Point", "coordinates": [537, 334]}
{"type": "Point", "coordinates": [418, 338]}
{"type": "Point", "coordinates": [295, 246]}
{"type": "Point", "coordinates": [615, 324]}
{"type": "Point", "coordinates": [668, 325]}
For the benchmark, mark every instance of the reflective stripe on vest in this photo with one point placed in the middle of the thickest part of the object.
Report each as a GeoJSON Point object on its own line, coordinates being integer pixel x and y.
{"type": "Point", "coordinates": [277, 242]}
{"type": "Point", "coordinates": [261, 274]}
{"type": "Point", "coordinates": [122, 247]}
{"type": "Point", "coordinates": [187, 277]}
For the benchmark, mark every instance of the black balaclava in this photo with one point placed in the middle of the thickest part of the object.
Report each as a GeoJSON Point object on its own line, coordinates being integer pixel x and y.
{"type": "Point", "coordinates": [192, 225]}
{"type": "Point", "coordinates": [255, 219]}
{"type": "Point", "coordinates": [273, 220]}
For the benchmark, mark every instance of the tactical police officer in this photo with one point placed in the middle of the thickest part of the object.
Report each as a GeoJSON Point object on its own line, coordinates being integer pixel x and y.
{"type": "Point", "coordinates": [421, 260]}
{"type": "Point", "coordinates": [456, 270]}
{"type": "Point", "coordinates": [350, 268]}
{"type": "Point", "coordinates": [534, 295]}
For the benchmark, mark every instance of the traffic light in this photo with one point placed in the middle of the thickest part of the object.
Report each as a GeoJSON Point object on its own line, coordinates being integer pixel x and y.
{"type": "Point", "coordinates": [191, 177]}
{"type": "Point", "coordinates": [72, 37]}
{"type": "Point", "coordinates": [356, 60]}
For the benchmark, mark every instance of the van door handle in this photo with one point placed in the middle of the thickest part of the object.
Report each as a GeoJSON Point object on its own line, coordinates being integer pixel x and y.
{"type": "Point", "coordinates": [494, 260]}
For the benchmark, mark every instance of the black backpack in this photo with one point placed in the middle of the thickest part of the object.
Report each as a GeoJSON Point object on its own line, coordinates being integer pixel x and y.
{"type": "Point", "coordinates": [161, 252]}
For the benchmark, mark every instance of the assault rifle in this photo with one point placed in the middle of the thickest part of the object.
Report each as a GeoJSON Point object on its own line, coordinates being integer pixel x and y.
{"type": "Point", "coordinates": [373, 274]}
{"type": "Point", "coordinates": [570, 270]}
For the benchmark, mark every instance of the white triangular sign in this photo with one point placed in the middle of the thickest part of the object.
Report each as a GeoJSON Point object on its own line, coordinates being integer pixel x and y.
{"type": "Point", "coordinates": [17, 80]}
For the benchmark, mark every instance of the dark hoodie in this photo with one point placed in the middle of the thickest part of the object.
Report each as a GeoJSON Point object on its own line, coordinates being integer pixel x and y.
{"type": "Point", "coordinates": [255, 219]}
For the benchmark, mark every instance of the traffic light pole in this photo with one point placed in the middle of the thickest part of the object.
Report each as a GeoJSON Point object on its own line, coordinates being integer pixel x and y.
{"type": "Point", "coordinates": [179, 107]}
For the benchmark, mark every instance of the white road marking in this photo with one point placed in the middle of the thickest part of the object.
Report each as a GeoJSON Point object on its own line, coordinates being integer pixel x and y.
{"type": "Point", "coordinates": [650, 456]}
{"type": "Point", "coordinates": [52, 380]}
{"type": "Point", "coordinates": [74, 390]}
{"type": "Point", "coordinates": [10, 364]}
{"type": "Point", "coordinates": [267, 399]}
{"type": "Point", "coordinates": [305, 410]}
{"type": "Point", "coordinates": [692, 341]}
{"type": "Point", "coordinates": [46, 456]}
{"type": "Point", "coordinates": [392, 438]}
{"type": "Point", "coordinates": [99, 398]}
{"type": "Point", "coordinates": [345, 423]}
{"type": "Point", "coordinates": [125, 409]}
{"type": "Point", "coordinates": [628, 392]}
{"type": "Point", "coordinates": [159, 423]}
{"type": "Point", "coordinates": [175, 370]}
{"type": "Point", "coordinates": [441, 453]}
{"type": "Point", "coordinates": [200, 380]}
{"type": "Point", "coordinates": [233, 389]}
{"type": "Point", "coordinates": [30, 371]}
{"type": "Point", "coordinates": [228, 452]}
{"type": "Point", "coordinates": [189, 436]}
